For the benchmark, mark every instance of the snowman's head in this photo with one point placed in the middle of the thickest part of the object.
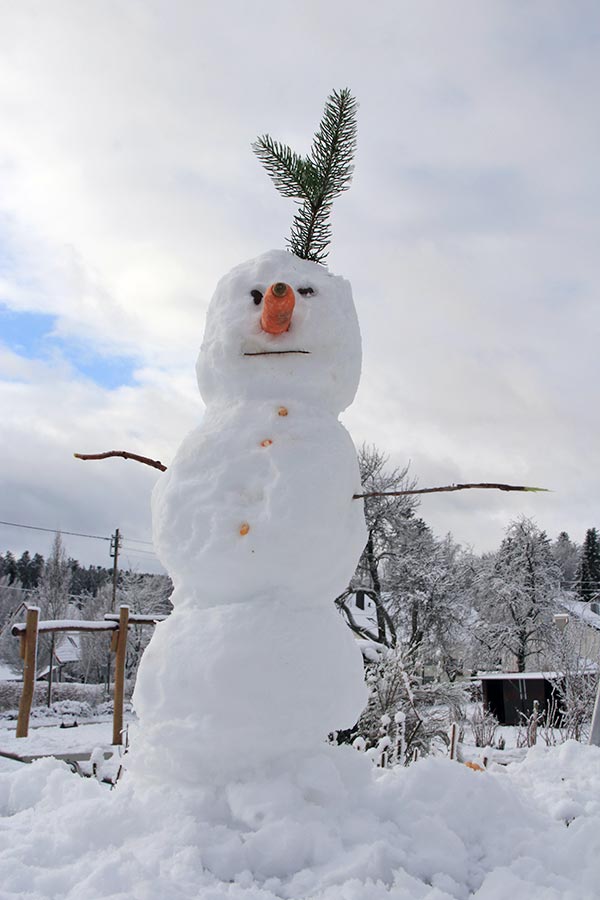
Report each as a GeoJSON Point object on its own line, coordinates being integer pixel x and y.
{"type": "Point", "coordinates": [305, 346]}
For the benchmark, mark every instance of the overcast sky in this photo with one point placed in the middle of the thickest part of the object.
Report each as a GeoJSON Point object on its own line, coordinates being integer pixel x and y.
{"type": "Point", "coordinates": [470, 235]}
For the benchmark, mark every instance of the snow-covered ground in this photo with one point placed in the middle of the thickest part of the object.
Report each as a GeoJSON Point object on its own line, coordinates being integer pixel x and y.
{"type": "Point", "coordinates": [49, 738]}
{"type": "Point", "coordinates": [325, 826]}
{"type": "Point", "coordinates": [6, 673]}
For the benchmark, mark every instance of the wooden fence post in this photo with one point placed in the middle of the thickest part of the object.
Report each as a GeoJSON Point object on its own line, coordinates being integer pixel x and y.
{"type": "Point", "coordinates": [119, 645]}
{"type": "Point", "coordinates": [28, 652]}
{"type": "Point", "coordinates": [453, 740]}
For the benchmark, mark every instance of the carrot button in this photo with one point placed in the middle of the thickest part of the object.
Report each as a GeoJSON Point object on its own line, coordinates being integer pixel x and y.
{"type": "Point", "coordinates": [244, 529]}
{"type": "Point", "coordinates": [266, 443]}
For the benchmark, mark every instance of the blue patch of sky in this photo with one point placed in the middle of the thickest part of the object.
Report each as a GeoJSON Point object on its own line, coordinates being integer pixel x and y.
{"type": "Point", "coordinates": [31, 335]}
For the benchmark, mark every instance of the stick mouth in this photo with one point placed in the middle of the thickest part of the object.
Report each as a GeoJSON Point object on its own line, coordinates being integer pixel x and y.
{"type": "Point", "coordinates": [276, 352]}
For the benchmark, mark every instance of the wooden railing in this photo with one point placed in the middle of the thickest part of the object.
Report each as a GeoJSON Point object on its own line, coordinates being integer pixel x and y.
{"type": "Point", "coordinates": [117, 623]}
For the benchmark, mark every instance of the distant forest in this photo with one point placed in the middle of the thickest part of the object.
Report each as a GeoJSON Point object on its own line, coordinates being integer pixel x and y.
{"type": "Point", "coordinates": [26, 571]}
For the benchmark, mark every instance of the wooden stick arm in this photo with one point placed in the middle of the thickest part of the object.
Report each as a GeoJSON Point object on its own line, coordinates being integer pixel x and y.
{"type": "Point", "coordinates": [450, 487]}
{"type": "Point", "coordinates": [123, 454]}
{"type": "Point", "coordinates": [484, 485]}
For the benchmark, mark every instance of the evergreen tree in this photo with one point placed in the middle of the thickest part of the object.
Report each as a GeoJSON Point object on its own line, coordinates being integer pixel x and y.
{"type": "Point", "coordinates": [315, 180]}
{"type": "Point", "coordinates": [588, 576]}
{"type": "Point", "coordinates": [566, 556]}
{"type": "Point", "coordinates": [8, 567]}
{"type": "Point", "coordinates": [30, 569]}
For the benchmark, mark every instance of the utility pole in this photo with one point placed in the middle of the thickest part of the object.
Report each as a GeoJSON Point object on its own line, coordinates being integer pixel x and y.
{"type": "Point", "coordinates": [115, 543]}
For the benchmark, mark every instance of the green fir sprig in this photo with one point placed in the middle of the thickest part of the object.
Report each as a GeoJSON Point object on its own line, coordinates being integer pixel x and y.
{"type": "Point", "coordinates": [315, 180]}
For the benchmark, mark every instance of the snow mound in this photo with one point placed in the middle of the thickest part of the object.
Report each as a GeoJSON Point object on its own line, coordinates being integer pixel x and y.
{"type": "Point", "coordinates": [321, 827]}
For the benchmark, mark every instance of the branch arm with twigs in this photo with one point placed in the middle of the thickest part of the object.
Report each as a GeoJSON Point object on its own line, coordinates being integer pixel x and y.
{"type": "Point", "coordinates": [156, 464]}
{"type": "Point", "coordinates": [485, 485]}
{"type": "Point", "coordinates": [123, 454]}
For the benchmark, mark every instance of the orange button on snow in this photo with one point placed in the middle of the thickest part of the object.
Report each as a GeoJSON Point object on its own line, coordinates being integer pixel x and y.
{"type": "Point", "coordinates": [278, 306]}
{"type": "Point", "coordinates": [244, 529]}
{"type": "Point", "coordinates": [282, 411]}
{"type": "Point", "coordinates": [266, 443]}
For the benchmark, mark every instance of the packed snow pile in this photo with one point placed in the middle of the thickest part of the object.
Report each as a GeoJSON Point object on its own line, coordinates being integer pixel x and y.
{"type": "Point", "coordinates": [256, 523]}
{"type": "Point", "coordinates": [325, 825]}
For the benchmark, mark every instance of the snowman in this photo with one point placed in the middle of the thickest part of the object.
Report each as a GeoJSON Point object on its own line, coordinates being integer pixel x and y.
{"type": "Point", "coordinates": [257, 519]}
{"type": "Point", "coordinates": [256, 523]}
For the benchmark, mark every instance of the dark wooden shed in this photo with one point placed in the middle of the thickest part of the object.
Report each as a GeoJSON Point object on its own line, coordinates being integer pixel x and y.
{"type": "Point", "coordinates": [510, 695]}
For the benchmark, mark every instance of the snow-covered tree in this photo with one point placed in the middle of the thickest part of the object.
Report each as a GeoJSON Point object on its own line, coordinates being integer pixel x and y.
{"type": "Point", "coordinates": [429, 601]}
{"type": "Point", "coordinates": [146, 595]}
{"type": "Point", "coordinates": [387, 519]}
{"type": "Point", "coordinates": [53, 594]}
{"type": "Point", "coordinates": [12, 596]}
{"type": "Point", "coordinates": [95, 648]}
{"type": "Point", "coordinates": [515, 597]}
{"type": "Point", "coordinates": [54, 598]}
{"type": "Point", "coordinates": [588, 575]}
{"type": "Point", "coordinates": [566, 555]}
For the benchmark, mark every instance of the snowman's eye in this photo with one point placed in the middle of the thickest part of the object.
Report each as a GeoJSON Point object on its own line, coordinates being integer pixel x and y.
{"type": "Point", "coordinates": [306, 291]}
{"type": "Point", "coordinates": [256, 296]}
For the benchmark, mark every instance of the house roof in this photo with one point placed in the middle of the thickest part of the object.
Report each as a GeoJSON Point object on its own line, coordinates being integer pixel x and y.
{"type": "Point", "coordinates": [529, 676]}
{"type": "Point", "coordinates": [581, 610]}
{"type": "Point", "coordinates": [515, 676]}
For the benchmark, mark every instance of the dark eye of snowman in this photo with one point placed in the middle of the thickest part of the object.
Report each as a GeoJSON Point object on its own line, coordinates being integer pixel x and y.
{"type": "Point", "coordinates": [306, 291]}
{"type": "Point", "coordinates": [256, 296]}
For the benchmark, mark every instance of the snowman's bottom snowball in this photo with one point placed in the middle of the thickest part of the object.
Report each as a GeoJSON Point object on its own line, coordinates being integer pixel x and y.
{"type": "Point", "coordinates": [224, 689]}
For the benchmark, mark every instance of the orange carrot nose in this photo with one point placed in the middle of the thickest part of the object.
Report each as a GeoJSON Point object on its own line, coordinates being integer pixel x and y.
{"type": "Point", "coordinates": [278, 306]}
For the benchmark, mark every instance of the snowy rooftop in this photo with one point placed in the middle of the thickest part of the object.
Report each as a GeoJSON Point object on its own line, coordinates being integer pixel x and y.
{"type": "Point", "coordinates": [581, 610]}
{"type": "Point", "coordinates": [501, 676]}
{"type": "Point", "coordinates": [521, 676]}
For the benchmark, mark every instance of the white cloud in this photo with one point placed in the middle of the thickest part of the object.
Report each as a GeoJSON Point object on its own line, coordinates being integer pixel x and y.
{"type": "Point", "coordinates": [48, 414]}
{"type": "Point", "coordinates": [127, 188]}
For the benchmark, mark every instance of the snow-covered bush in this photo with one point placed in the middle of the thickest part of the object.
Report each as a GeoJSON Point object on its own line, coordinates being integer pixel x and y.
{"type": "Point", "coordinates": [10, 694]}
{"type": "Point", "coordinates": [483, 725]}
{"type": "Point", "coordinates": [404, 713]}
{"type": "Point", "coordinates": [79, 709]}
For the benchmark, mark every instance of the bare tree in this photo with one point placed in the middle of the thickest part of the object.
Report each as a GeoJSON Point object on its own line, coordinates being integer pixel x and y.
{"type": "Point", "coordinates": [386, 519]}
{"type": "Point", "coordinates": [148, 595]}
{"type": "Point", "coordinates": [53, 594]}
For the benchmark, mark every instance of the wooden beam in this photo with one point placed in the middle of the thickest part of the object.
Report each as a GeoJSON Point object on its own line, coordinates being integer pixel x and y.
{"type": "Point", "coordinates": [121, 652]}
{"type": "Point", "coordinates": [136, 618]}
{"type": "Point", "coordinates": [31, 638]}
{"type": "Point", "coordinates": [65, 625]}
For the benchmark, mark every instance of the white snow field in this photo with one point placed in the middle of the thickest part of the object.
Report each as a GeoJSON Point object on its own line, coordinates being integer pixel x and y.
{"type": "Point", "coordinates": [325, 826]}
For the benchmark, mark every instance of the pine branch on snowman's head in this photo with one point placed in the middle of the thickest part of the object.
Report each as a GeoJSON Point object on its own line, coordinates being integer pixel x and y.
{"type": "Point", "coordinates": [315, 180]}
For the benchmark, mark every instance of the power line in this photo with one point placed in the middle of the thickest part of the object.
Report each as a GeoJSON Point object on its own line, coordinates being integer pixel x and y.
{"type": "Point", "coordinates": [96, 537]}
{"type": "Point", "coordinates": [136, 550]}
